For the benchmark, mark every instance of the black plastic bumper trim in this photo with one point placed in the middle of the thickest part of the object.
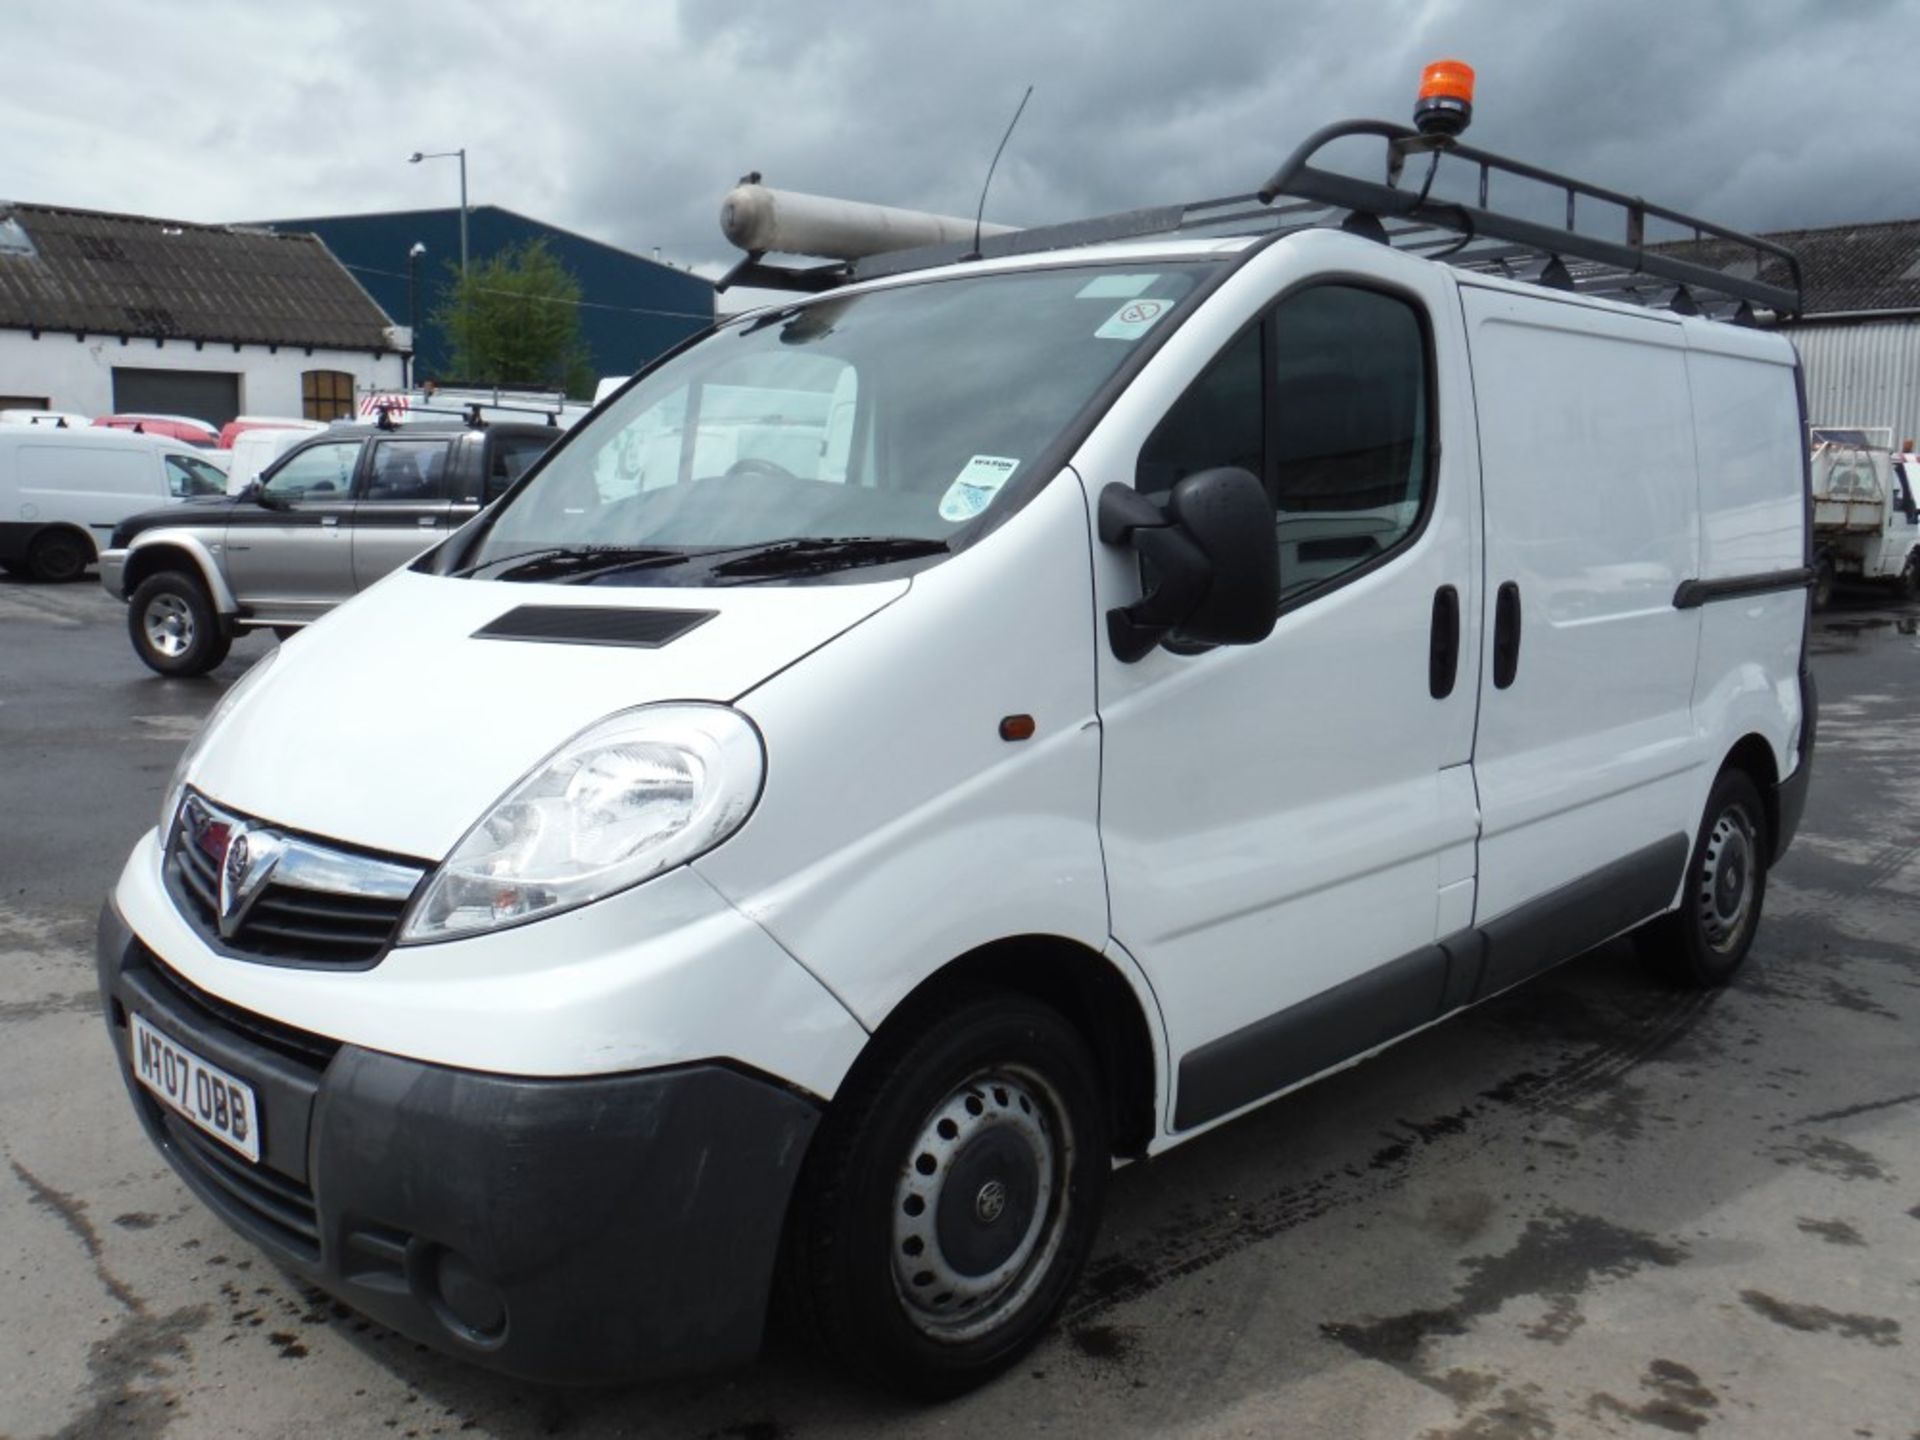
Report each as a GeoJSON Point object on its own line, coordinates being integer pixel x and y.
{"type": "Point", "coordinates": [625, 1226]}
{"type": "Point", "coordinates": [1378, 1007]}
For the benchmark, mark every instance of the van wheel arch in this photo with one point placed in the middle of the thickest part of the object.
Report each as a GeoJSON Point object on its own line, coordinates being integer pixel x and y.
{"type": "Point", "coordinates": [1084, 987]}
{"type": "Point", "coordinates": [1754, 757]}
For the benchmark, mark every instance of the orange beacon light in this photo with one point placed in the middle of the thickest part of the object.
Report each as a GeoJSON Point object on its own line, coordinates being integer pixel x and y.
{"type": "Point", "coordinates": [1445, 106]}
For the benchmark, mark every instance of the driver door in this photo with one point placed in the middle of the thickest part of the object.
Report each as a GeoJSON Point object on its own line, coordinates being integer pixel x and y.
{"type": "Point", "coordinates": [1289, 826]}
{"type": "Point", "coordinates": [290, 551]}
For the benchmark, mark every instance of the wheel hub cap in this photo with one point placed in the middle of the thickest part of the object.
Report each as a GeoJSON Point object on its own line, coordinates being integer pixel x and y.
{"type": "Point", "coordinates": [991, 1203]}
{"type": "Point", "coordinates": [169, 625]}
{"type": "Point", "coordinates": [981, 1204]}
{"type": "Point", "coordinates": [1726, 892]}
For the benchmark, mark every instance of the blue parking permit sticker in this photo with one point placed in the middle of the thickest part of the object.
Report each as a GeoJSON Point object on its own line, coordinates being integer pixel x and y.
{"type": "Point", "coordinates": [1133, 319]}
{"type": "Point", "coordinates": [973, 490]}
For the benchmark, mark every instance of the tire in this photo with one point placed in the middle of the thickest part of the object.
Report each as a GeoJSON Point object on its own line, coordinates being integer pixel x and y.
{"type": "Point", "coordinates": [993, 1100]}
{"type": "Point", "coordinates": [1910, 578]}
{"type": "Point", "coordinates": [58, 556]}
{"type": "Point", "coordinates": [1824, 576]}
{"type": "Point", "coordinates": [1703, 943]}
{"type": "Point", "coordinates": [173, 626]}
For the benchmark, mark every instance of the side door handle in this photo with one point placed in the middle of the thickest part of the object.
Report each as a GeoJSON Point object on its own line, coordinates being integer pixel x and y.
{"type": "Point", "coordinates": [1506, 635]}
{"type": "Point", "coordinates": [1443, 656]}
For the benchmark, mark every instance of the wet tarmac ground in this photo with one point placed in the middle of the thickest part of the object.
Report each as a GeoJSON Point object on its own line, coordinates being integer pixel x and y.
{"type": "Point", "coordinates": [1590, 1208]}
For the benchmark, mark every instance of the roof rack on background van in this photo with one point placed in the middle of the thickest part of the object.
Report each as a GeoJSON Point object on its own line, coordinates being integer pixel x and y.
{"type": "Point", "coordinates": [1699, 268]}
{"type": "Point", "coordinates": [468, 411]}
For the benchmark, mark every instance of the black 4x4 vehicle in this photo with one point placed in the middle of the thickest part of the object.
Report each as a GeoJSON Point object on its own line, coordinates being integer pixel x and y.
{"type": "Point", "coordinates": [325, 521]}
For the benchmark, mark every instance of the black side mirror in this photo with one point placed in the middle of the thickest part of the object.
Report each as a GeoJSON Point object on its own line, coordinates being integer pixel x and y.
{"type": "Point", "coordinates": [1211, 559]}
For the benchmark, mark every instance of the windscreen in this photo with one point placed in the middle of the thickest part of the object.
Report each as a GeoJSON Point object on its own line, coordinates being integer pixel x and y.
{"type": "Point", "coordinates": [901, 415]}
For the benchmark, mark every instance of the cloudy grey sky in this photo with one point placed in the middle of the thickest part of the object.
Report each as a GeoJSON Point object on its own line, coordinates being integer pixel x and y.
{"type": "Point", "coordinates": [628, 121]}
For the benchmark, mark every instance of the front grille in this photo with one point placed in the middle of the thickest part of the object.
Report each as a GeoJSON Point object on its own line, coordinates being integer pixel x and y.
{"type": "Point", "coordinates": [282, 1207]}
{"type": "Point", "coordinates": [309, 1051]}
{"type": "Point", "coordinates": [290, 924]}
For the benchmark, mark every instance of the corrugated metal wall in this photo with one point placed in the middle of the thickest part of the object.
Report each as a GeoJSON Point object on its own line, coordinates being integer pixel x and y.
{"type": "Point", "coordinates": [1862, 373]}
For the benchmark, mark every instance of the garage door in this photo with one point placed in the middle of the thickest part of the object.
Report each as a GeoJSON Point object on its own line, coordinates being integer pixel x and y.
{"type": "Point", "coordinates": [210, 396]}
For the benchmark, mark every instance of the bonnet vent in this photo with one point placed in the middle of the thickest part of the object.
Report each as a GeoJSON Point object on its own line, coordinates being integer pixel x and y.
{"type": "Point", "coordinates": [594, 625]}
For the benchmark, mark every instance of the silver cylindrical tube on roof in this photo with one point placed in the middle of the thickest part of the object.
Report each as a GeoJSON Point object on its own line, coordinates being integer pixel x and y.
{"type": "Point", "coordinates": [759, 218]}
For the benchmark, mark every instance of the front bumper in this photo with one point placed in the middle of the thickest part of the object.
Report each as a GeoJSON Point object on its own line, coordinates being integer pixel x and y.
{"type": "Point", "coordinates": [590, 1230]}
{"type": "Point", "coordinates": [113, 566]}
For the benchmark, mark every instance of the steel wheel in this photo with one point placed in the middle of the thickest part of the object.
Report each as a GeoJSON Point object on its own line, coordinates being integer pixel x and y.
{"type": "Point", "coordinates": [950, 1197]}
{"type": "Point", "coordinates": [58, 556]}
{"type": "Point", "coordinates": [1728, 884]}
{"type": "Point", "coordinates": [1704, 941]}
{"type": "Point", "coordinates": [169, 625]}
{"type": "Point", "coordinates": [981, 1204]}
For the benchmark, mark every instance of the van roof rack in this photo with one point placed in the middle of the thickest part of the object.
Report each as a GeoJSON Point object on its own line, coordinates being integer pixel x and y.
{"type": "Point", "coordinates": [1705, 269]}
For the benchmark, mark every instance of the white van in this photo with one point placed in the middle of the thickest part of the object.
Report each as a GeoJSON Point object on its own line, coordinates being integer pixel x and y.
{"type": "Point", "coordinates": [62, 491]}
{"type": "Point", "coordinates": [1181, 667]}
{"type": "Point", "coordinates": [255, 449]}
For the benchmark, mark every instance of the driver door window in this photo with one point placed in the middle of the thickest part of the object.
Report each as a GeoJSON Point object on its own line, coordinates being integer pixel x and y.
{"type": "Point", "coordinates": [188, 477]}
{"type": "Point", "coordinates": [320, 472]}
{"type": "Point", "coordinates": [1326, 400]}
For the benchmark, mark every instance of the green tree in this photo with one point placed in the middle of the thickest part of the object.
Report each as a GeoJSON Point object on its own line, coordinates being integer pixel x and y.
{"type": "Point", "coordinates": [515, 320]}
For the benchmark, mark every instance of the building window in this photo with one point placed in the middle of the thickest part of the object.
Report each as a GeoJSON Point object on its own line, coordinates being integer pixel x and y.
{"type": "Point", "coordinates": [326, 395]}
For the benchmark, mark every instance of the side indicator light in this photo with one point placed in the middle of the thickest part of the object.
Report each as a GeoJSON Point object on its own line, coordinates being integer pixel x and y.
{"type": "Point", "coordinates": [1017, 727]}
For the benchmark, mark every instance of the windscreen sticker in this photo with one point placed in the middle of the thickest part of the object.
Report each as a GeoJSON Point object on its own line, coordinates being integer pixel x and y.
{"type": "Point", "coordinates": [975, 487]}
{"type": "Point", "coordinates": [1133, 319]}
{"type": "Point", "coordinates": [1114, 287]}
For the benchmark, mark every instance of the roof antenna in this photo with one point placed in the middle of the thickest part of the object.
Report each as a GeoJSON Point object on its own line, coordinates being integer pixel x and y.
{"type": "Point", "coordinates": [981, 212]}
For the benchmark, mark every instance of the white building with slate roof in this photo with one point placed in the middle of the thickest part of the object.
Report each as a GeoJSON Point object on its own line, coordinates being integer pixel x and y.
{"type": "Point", "coordinates": [103, 313]}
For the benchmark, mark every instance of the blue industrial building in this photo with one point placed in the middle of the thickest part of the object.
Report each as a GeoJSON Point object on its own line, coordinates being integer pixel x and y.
{"type": "Point", "coordinates": [632, 308]}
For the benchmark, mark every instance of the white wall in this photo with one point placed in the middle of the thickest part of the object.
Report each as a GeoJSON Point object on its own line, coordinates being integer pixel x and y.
{"type": "Point", "coordinates": [78, 374]}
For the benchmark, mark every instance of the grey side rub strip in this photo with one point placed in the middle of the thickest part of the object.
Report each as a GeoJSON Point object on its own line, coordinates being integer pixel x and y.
{"type": "Point", "coordinates": [1385, 1003]}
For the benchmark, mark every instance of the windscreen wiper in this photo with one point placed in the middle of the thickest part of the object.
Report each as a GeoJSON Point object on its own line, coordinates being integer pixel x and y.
{"type": "Point", "coordinates": [560, 562]}
{"type": "Point", "coordinates": [818, 554]}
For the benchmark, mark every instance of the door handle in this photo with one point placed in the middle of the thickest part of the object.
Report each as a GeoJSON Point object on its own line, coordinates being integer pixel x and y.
{"type": "Point", "coordinates": [1443, 655]}
{"type": "Point", "coordinates": [329, 519]}
{"type": "Point", "coordinates": [427, 522]}
{"type": "Point", "coordinates": [1506, 635]}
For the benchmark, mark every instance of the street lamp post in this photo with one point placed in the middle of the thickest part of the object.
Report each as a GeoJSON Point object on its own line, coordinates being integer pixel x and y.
{"type": "Point", "coordinates": [461, 156]}
{"type": "Point", "coordinates": [413, 305]}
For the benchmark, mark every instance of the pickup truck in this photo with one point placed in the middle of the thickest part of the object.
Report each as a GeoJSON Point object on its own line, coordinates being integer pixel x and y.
{"type": "Point", "coordinates": [325, 521]}
{"type": "Point", "coordinates": [1866, 522]}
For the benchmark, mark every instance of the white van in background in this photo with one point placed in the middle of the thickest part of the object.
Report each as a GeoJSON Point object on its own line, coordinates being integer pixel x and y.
{"type": "Point", "coordinates": [56, 419]}
{"type": "Point", "coordinates": [1054, 701]}
{"type": "Point", "coordinates": [63, 490]}
{"type": "Point", "coordinates": [255, 449]}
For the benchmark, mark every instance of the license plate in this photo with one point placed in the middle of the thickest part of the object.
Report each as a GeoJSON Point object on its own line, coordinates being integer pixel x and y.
{"type": "Point", "coordinates": [199, 1092]}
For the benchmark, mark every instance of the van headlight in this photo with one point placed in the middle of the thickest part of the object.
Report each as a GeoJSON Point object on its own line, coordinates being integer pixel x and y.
{"type": "Point", "coordinates": [638, 793]}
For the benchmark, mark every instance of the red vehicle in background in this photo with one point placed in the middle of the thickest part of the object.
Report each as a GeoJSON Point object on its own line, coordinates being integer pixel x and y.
{"type": "Point", "coordinates": [174, 427]}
